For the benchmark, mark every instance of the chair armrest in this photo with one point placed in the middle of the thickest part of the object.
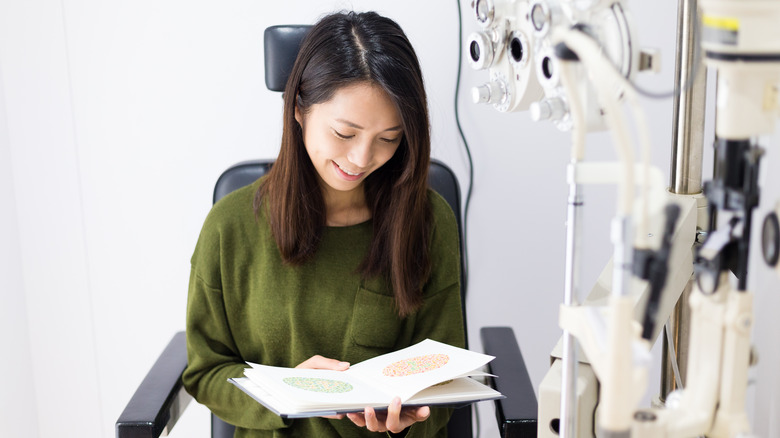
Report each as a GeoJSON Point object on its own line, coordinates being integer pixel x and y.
{"type": "Point", "coordinates": [160, 399]}
{"type": "Point", "coordinates": [517, 413]}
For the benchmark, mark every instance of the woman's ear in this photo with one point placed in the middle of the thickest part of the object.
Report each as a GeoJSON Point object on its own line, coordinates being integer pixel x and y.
{"type": "Point", "coordinates": [298, 116]}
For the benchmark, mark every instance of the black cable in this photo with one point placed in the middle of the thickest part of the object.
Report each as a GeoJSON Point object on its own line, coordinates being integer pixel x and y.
{"type": "Point", "coordinates": [471, 177]}
{"type": "Point", "coordinates": [466, 146]}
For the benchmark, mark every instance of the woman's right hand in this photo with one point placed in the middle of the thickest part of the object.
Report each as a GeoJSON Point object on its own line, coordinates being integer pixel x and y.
{"type": "Point", "coordinates": [318, 362]}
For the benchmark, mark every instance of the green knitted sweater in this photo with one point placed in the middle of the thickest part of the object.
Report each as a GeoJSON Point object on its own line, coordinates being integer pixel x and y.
{"type": "Point", "coordinates": [245, 304]}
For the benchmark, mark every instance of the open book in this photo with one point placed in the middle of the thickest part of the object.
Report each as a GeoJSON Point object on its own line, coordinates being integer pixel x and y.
{"type": "Point", "coordinates": [426, 374]}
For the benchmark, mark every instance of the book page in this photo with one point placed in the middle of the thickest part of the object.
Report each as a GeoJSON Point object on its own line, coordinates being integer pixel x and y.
{"type": "Point", "coordinates": [452, 391]}
{"type": "Point", "coordinates": [306, 389]}
{"type": "Point", "coordinates": [405, 372]}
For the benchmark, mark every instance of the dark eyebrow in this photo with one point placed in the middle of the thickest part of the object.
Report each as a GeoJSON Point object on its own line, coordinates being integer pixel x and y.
{"type": "Point", "coordinates": [356, 126]}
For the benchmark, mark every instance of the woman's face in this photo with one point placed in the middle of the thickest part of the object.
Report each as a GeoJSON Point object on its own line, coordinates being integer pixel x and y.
{"type": "Point", "coordinates": [351, 135]}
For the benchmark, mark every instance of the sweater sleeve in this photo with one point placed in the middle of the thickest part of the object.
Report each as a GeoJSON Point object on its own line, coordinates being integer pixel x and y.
{"type": "Point", "coordinates": [212, 354]}
{"type": "Point", "coordinates": [212, 359]}
{"type": "Point", "coordinates": [440, 318]}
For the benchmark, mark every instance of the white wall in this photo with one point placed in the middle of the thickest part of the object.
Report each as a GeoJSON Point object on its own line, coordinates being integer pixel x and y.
{"type": "Point", "coordinates": [17, 398]}
{"type": "Point", "coordinates": [63, 376]}
{"type": "Point", "coordinates": [117, 117]}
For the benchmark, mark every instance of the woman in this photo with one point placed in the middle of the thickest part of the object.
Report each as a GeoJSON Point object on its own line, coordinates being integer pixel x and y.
{"type": "Point", "coordinates": [341, 253]}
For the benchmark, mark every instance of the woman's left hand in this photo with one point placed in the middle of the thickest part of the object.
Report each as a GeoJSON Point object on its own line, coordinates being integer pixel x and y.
{"type": "Point", "coordinates": [395, 420]}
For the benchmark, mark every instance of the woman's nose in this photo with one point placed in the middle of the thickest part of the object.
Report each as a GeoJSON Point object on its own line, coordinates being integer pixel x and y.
{"type": "Point", "coordinates": [361, 154]}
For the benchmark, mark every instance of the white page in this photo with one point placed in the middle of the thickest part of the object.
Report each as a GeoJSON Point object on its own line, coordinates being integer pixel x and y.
{"type": "Point", "coordinates": [307, 388]}
{"type": "Point", "coordinates": [261, 395]}
{"type": "Point", "coordinates": [407, 371]}
{"type": "Point", "coordinates": [462, 389]}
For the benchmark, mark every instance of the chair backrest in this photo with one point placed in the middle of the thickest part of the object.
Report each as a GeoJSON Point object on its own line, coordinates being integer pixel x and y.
{"type": "Point", "coordinates": [440, 178]}
{"type": "Point", "coordinates": [281, 45]}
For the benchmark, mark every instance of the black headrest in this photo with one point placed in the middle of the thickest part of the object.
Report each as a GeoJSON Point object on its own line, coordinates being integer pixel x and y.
{"type": "Point", "coordinates": [281, 48]}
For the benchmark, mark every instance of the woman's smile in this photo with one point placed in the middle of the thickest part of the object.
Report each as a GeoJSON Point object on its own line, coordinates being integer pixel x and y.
{"type": "Point", "coordinates": [345, 174]}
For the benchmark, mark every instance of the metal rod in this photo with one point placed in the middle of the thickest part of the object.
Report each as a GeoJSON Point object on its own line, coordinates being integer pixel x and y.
{"type": "Point", "coordinates": [568, 419]}
{"type": "Point", "coordinates": [679, 327]}
{"type": "Point", "coordinates": [622, 255]}
{"type": "Point", "coordinates": [686, 167]}
{"type": "Point", "coordinates": [688, 122]}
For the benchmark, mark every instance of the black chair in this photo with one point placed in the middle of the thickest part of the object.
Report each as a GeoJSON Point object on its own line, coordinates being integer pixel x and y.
{"type": "Point", "coordinates": [440, 178]}
{"type": "Point", "coordinates": [159, 400]}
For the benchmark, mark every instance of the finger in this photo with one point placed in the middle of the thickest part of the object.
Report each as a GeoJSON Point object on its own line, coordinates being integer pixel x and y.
{"type": "Point", "coordinates": [334, 417]}
{"type": "Point", "coordinates": [372, 423]}
{"type": "Point", "coordinates": [410, 416]}
{"type": "Point", "coordinates": [393, 421]}
{"type": "Point", "coordinates": [422, 413]}
{"type": "Point", "coordinates": [358, 418]}
{"type": "Point", "coordinates": [323, 363]}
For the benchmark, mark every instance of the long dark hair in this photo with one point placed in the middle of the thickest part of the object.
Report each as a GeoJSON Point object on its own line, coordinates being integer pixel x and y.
{"type": "Point", "coordinates": [344, 49]}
